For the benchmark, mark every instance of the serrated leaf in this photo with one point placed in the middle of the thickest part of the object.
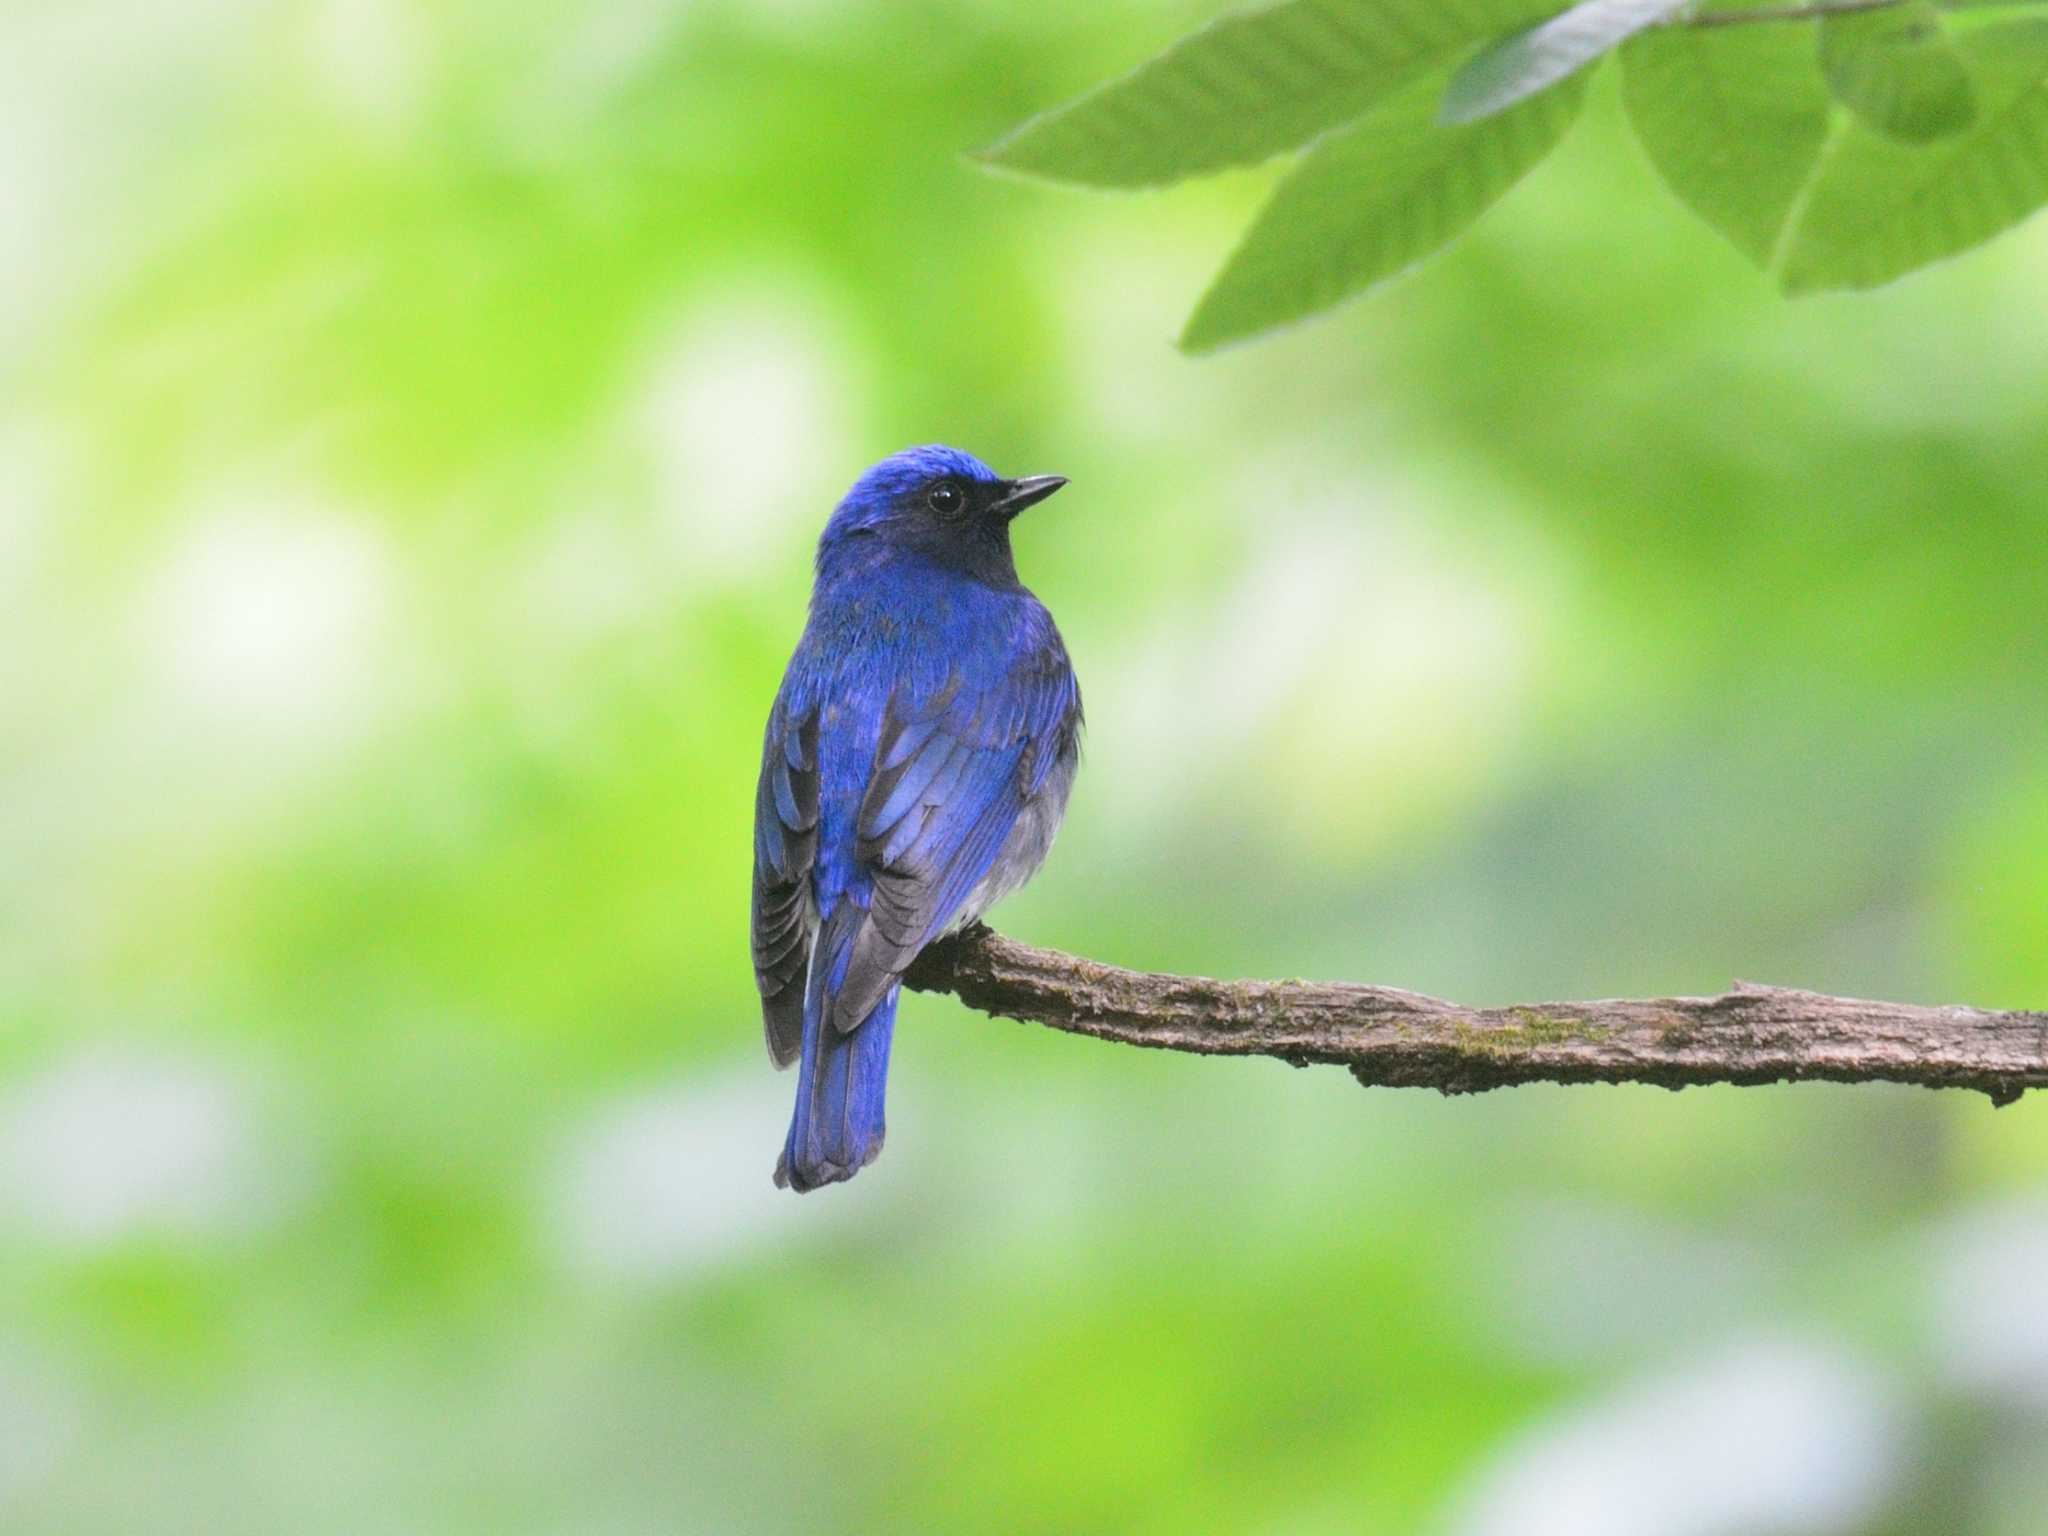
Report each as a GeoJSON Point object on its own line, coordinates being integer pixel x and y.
{"type": "Point", "coordinates": [1370, 201]}
{"type": "Point", "coordinates": [1249, 87]}
{"type": "Point", "coordinates": [1898, 71]}
{"type": "Point", "coordinates": [1734, 119]}
{"type": "Point", "coordinates": [1880, 208]}
{"type": "Point", "coordinates": [1518, 66]}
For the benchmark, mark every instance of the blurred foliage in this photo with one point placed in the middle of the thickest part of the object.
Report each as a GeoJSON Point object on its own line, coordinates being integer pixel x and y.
{"type": "Point", "coordinates": [416, 422]}
{"type": "Point", "coordinates": [1392, 105]}
{"type": "Point", "coordinates": [1898, 70]}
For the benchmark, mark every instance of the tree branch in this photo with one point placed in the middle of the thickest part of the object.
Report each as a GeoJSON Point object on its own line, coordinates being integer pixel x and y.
{"type": "Point", "coordinates": [1395, 1039]}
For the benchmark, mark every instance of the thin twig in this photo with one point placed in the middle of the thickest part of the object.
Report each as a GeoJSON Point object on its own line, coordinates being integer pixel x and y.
{"type": "Point", "coordinates": [1813, 12]}
{"type": "Point", "coordinates": [1391, 1038]}
{"type": "Point", "coordinates": [1821, 9]}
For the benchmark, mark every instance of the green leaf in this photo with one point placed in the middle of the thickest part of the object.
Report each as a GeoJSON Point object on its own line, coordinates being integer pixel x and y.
{"type": "Point", "coordinates": [1519, 66]}
{"type": "Point", "coordinates": [1734, 119]}
{"type": "Point", "coordinates": [1369, 201]}
{"type": "Point", "coordinates": [1249, 87]}
{"type": "Point", "coordinates": [1879, 208]}
{"type": "Point", "coordinates": [1898, 71]}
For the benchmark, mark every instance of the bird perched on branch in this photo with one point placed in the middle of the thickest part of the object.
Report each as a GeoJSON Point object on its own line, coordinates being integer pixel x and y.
{"type": "Point", "coordinates": [916, 767]}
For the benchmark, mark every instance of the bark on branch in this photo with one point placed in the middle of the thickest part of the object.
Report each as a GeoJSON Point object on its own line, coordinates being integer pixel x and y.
{"type": "Point", "coordinates": [1395, 1039]}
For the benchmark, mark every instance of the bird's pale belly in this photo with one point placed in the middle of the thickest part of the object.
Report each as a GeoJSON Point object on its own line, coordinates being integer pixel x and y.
{"type": "Point", "coordinates": [1024, 850]}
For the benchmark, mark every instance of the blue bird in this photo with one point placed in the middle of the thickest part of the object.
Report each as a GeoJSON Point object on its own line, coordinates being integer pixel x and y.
{"type": "Point", "coordinates": [916, 767]}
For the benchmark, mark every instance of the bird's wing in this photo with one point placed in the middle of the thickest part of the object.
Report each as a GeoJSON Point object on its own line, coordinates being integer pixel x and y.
{"type": "Point", "coordinates": [785, 845]}
{"type": "Point", "coordinates": [950, 779]}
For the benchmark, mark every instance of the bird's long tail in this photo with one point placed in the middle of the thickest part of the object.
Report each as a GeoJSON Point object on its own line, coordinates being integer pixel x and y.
{"type": "Point", "coordinates": [838, 1126]}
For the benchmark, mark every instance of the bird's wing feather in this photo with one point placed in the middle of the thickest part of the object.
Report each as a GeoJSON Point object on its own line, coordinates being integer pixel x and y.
{"type": "Point", "coordinates": [785, 847]}
{"type": "Point", "coordinates": [951, 778]}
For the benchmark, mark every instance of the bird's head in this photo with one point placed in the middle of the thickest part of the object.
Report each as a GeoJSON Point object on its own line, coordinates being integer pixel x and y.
{"type": "Point", "coordinates": [940, 503]}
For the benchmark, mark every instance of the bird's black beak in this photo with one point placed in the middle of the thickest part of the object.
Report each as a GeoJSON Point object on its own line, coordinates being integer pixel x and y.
{"type": "Point", "coordinates": [1028, 492]}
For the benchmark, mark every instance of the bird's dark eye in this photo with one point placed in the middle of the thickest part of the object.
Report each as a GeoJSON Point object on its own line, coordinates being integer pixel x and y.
{"type": "Point", "coordinates": [945, 497]}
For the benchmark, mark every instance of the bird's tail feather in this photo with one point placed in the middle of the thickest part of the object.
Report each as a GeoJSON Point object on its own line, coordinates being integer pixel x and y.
{"type": "Point", "coordinates": [838, 1126]}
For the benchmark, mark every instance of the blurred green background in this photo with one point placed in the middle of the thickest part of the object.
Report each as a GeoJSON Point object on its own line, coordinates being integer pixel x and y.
{"type": "Point", "coordinates": [414, 424]}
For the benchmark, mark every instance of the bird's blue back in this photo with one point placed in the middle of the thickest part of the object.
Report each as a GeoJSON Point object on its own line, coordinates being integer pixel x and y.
{"type": "Point", "coordinates": [916, 765]}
